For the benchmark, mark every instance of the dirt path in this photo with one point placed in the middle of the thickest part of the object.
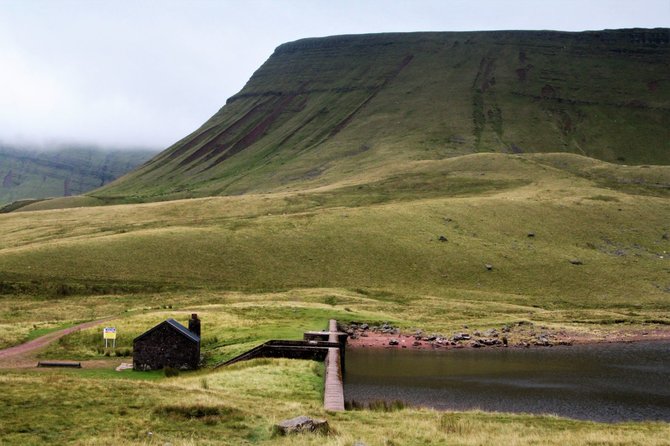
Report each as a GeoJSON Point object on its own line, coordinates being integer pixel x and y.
{"type": "Point", "coordinates": [20, 355]}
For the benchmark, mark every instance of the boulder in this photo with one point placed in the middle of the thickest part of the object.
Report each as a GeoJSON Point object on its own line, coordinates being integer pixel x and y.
{"type": "Point", "coordinates": [461, 337]}
{"type": "Point", "coordinates": [543, 341]}
{"type": "Point", "coordinates": [301, 424]}
{"type": "Point", "coordinates": [576, 262]}
{"type": "Point", "coordinates": [442, 238]}
{"type": "Point", "coordinates": [394, 341]}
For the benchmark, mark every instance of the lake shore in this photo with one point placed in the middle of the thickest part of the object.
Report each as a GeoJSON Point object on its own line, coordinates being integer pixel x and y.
{"type": "Point", "coordinates": [514, 337]}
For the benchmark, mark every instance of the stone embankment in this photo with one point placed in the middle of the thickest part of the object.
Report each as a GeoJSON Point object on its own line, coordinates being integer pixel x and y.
{"type": "Point", "coordinates": [522, 334]}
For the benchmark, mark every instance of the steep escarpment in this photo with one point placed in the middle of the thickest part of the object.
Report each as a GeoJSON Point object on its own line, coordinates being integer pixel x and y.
{"type": "Point", "coordinates": [324, 110]}
{"type": "Point", "coordinates": [61, 171]}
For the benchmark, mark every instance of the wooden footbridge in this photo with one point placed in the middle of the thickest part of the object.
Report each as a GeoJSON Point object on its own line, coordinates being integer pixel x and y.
{"type": "Point", "coordinates": [328, 346]}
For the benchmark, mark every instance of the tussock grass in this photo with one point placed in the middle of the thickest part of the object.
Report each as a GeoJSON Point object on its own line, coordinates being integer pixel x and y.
{"type": "Point", "coordinates": [261, 267]}
{"type": "Point", "coordinates": [179, 411]}
{"type": "Point", "coordinates": [377, 406]}
{"type": "Point", "coordinates": [204, 413]}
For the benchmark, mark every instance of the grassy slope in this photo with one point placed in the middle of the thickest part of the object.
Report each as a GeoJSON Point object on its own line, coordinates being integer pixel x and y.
{"type": "Point", "coordinates": [37, 174]}
{"type": "Point", "coordinates": [118, 411]}
{"type": "Point", "coordinates": [376, 241]}
{"type": "Point", "coordinates": [379, 234]}
{"type": "Point", "coordinates": [323, 110]}
{"type": "Point", "coordinates": [346, 225]}
{"type": "Point", "coordinates": [265, 266]}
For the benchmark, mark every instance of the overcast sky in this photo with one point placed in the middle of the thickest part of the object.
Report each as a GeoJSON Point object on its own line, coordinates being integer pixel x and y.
{"type": "Point", "coordinates": [146, 73]}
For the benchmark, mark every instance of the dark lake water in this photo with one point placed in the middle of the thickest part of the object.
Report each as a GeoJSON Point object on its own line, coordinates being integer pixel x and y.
{"type": "Point", "coordinates": [603, 382]}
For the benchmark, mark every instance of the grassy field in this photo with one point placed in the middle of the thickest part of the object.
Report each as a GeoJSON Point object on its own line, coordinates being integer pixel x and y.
{"type": "Point", "coordinates": [240, 404]}
{"type": "Point", "coordinates": [366, 248]}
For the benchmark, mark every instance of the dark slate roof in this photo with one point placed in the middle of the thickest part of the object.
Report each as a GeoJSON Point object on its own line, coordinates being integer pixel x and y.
{"type": "Point", "coordinates": [177, 326]}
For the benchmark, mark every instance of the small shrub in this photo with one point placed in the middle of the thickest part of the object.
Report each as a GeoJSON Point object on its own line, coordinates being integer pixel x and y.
{"type": "Point", "coordinates": [211, 340]}
{"type": "Point", "coordinates": [353, 405]}
{"type": "Point", "coordinates": [455, 424]}
{"type": "Point", "coordinates": [204, 384]}
{"type": "Point", "coordinates": [318, 368]}
{"type": "Point", "coordinates": [377, 405]}
{"type": "Point", "coordinates": [123, 352]}
{"type": "Point", "coordinates": [330, 300]}
{"type": "Point", "coordinates": [207, 414]}
{"type": "Point", "coordinates": [603, 198]}
{"type": "Point", "coordinates": [170, 372]}
{"type": "Point", "coordinates": [386, 406]}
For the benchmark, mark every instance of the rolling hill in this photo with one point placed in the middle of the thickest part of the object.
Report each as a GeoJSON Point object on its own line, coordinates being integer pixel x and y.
{"type": "Point", "coordinates": [61, 171]}
{"type": "Point", "coordinates": [435, 181]}
{"type": "Point", "coordinates": [324, 110]}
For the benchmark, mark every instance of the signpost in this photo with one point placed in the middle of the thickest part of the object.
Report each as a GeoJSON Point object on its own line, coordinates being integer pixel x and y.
{"type": "Point", "coordinates": [109, 333]}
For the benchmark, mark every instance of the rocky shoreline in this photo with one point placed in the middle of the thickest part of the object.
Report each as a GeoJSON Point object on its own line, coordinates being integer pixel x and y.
{"type": "Point", "coordinates": [522, 334]}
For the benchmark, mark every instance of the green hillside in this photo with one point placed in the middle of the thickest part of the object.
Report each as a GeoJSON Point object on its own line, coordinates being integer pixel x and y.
{"type": "Point", "coordinates": [437, 181]}
{"type": "Point", "coordinates": [61, 171]}
{"type": "Point", "coordinates": [381, 235]}
{"type": "Point", "coordinates": [266, 266]}
{"type": "Point", "coordinates": [323, 110]}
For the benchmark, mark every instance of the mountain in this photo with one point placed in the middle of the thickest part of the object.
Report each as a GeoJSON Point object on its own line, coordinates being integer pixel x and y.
{"type": "Point", "coordinates": [62, 171]}
{"type": "Point", "coordinates": [380, 212]}
{"type": "Point", "coordinates": [324, 110]}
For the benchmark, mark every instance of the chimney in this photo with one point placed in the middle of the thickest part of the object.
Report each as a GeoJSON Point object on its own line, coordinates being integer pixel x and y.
{"type": "Point", "coordinates": [194, 324]}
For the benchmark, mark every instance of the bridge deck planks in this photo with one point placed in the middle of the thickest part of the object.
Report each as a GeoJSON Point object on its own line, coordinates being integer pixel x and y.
{"type": "Point", "coordinates": [333, 398]}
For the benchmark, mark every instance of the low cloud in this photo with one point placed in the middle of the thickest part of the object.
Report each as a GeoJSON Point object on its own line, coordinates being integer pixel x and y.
{"type": "Point", "coordinates": [148, 73]}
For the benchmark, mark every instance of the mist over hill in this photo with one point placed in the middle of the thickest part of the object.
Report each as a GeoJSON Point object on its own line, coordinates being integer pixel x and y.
{"type": "Point", "coordinates": [61, 171]}
{"type": "Point", "coordinates": [325, 109]}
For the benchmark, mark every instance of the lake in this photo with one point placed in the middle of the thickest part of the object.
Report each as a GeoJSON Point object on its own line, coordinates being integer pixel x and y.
{"type": "Point", "coordinates": [600, 382]}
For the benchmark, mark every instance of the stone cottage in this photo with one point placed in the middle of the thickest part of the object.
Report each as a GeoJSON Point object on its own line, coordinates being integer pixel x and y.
{"type": "Point", "coordinates": [168, 344]}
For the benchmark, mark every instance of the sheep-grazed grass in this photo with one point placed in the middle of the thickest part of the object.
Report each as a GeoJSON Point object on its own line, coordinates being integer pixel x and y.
{"type": "Point", "coordinates": [261, 267]}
